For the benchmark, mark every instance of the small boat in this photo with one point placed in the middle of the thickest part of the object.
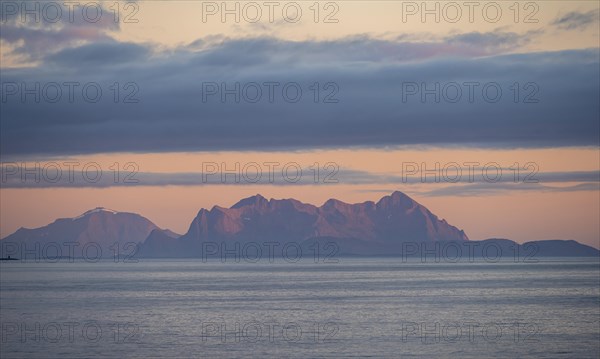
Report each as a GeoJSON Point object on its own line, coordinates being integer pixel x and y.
{"type": "Point", "coordinates": [9, 259]}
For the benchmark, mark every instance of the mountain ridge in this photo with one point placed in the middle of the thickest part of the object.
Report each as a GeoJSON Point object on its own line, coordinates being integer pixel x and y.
{"type": "Point", "coordinates": [255, 216]}
{"type": "Point", "coordinates": [103, 229]}
{"type": "Point", "coordinates": [366, 228]}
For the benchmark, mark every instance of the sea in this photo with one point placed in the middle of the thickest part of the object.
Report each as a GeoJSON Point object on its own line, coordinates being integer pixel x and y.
{"type": "Point", "coordinates": [348, 308]}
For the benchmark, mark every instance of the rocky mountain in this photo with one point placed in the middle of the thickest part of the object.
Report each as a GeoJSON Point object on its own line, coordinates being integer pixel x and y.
{"type": "Point", "coordinates": [98, 232]}
{"type": "Point", "coordinates": [396, 225]}
{"type": "Point", "coordinates": [366, 228]}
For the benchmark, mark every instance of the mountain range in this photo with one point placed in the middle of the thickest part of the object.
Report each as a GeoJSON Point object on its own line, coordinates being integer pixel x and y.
{"type": "Point", "coordinates": [394, 225]}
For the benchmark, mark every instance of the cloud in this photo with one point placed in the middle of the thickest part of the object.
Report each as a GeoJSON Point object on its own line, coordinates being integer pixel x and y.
{"type": "Point", "coordinates": [358, 48]}
{"type": "Point", "coordinates": [35, 35]}
{"type": "Point", "coordinates": [57, 175]}
{"type": "Point", "coordinates": [100, 54]}
{"type": "Point", "coordinates": [492, 42]}
{"type": "Point", "coordinates": [355, 92]}
{"type": "Point", "coordinates": [577, 20]}
{"type": "Point", "coordinates": [481, 189]}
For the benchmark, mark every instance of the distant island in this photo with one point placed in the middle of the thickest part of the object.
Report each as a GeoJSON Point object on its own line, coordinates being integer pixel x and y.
{"type": "Point", "coordinates": [395, 225]}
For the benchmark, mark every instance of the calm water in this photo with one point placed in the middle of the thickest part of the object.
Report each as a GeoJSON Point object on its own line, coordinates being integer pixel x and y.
{"type": "Point", "coordinates": [355, 308]}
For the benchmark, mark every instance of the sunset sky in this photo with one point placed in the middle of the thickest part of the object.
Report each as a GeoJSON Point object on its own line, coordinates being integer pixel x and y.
{"type": "Point", "coordinates": [363, 117]}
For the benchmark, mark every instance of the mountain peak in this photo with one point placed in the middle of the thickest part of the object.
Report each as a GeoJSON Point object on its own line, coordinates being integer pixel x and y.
{"type": "Point", "coordinates": [395, 199]}
{"type": "Point", "coordinates": [251, 201]}
{"type": "Point", "coordinates": [96, 210]}
{"type": "Point", "coordinates": [335, 203]}
{"type": "Point", "coordinates": [399, 195]}
{"type": "Point", "coordinates": [100, 225]}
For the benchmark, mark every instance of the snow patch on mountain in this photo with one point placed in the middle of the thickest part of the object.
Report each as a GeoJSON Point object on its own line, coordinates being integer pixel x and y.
{"type": "Point", "coordinates": [95, 210]}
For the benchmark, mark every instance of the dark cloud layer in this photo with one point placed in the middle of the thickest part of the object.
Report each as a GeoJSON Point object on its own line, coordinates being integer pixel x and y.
{"type": "Point", "coordinates": [365, 79]}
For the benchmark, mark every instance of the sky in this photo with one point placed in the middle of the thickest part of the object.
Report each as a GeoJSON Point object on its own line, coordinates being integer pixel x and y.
{"type": "Point", "coordinates": [488, 114]}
